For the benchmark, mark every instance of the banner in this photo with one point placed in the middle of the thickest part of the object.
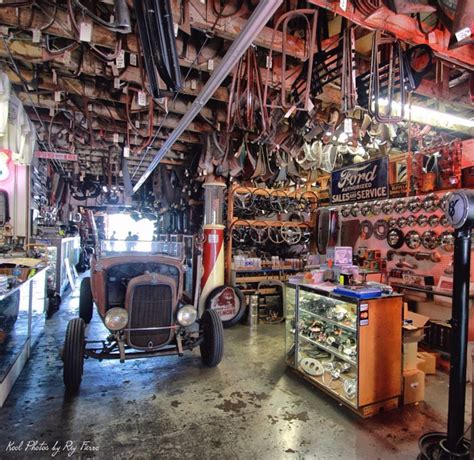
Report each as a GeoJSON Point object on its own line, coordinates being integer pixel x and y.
{"type": "Point", "coordinates": [360, 182]}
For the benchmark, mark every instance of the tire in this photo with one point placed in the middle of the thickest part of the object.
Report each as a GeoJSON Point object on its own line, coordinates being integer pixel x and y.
{"type": "Point", "coordinates": [241, 312]}
{"type": "Point", "coordinates": [86, 302]}
{"type": "Point", "coordinates": [212, 348]}
{"type": "Point", "coordinates": [73, 355]}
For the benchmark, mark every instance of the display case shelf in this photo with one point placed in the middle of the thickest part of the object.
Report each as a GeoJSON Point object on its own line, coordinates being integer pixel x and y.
{"type": "Point", "coordinates": [330, 350]}
{"type": "Point", "coordinates": [330, 321]}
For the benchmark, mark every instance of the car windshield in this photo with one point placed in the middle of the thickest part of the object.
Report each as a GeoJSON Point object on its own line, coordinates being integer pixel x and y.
{"type": "Point", "coordinates": [116, 247]}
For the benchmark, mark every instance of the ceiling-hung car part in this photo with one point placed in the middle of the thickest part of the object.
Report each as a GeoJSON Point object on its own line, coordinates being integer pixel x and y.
{"type": "Point", "coordinates": [156, 32]}
{"type": "Point", "coordinates": [291, 234]}
{"type": "Point", "coordinates": [327, 64]}
{"type": "Point", "coordinates": [399, 206]}
{"type": "Point", "coordinates": [301, 87]}
{"type": "Point", "coordinates": [409, 6]}
{"type": "Point", "coordinates": [246, 105]}
{"type": "Point", "coordinates": [254, 25]}
{"type": "Point", "coordinates": [376, 207]}
{"type": "Point", "coordinates": [387, 64]}
{"type": "Point", "coordinates": [122, 23]}
{"type": "Point", "coordinates": [411, 221]}
{"type": "Point", "coordinates": [365, 209]}
{"type": "Point", "coordinates": [355, 209]}
{"type": "Point", "coordinates": [402, 222]}
{"type": "Point", "coordinates": [367, 7]}
{"type": "Point", "coordinates": [348, 77]}
{"type": "Point", "coordinates": [422, 220]}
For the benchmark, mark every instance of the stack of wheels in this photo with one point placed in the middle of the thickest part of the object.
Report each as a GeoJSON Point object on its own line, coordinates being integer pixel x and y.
{"type": "Point", "coordinates": [228, 320]}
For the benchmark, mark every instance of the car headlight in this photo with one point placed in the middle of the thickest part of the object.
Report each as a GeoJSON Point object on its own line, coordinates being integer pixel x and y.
{"type": "Point", "coordinates": [116, 319]}
{"type": "Point", "coordinates": [187, 315]}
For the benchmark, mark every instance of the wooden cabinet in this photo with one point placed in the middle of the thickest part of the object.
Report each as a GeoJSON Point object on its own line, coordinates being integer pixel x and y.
{"type": "Point", "coordinates": [349, 348]}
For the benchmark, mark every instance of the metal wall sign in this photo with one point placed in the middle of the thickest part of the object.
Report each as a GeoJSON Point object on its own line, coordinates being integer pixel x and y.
{"type": "Point", "coordinates": [360, 182]}
{"type": "Point", "coordinates": [56, 156]}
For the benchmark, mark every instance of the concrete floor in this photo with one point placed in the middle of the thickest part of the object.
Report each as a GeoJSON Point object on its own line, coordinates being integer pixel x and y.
{"type": "Point", "coordinates": [250, 407]}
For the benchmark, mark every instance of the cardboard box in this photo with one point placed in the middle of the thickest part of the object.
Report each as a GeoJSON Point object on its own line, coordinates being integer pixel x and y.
{"type": "Point", "coordinates": [426, 362]}
{"type": "Point", "coordinates": [414, 331]}
{"type": "Point", "coordinates": [410, 351]}
{"type": "Point", "coordinates": [413, 386]}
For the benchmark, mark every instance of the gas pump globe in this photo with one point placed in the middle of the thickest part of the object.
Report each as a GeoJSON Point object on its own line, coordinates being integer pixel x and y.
{"type": "Point", "coordinates": [213, 247]}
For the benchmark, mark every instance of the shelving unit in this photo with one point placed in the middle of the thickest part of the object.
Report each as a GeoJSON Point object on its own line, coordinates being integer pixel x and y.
{"type": "Point", "coordinates": [354, 347]}
{"type": "Point", "coordinates": [233, 221]}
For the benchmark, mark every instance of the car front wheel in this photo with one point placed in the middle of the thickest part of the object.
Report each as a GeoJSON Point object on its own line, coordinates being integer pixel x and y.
{"type": "Point", "coordinates": [86, 302]}
{"type": "Point", "coordinates": [212, 348]}
{"type": "Point", "coordinates": [73, 355]}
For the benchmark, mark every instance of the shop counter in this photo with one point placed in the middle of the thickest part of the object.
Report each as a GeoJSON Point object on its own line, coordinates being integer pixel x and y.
{"type": "Point", "coordinates": [22, 316]}
{"type": "Point", "coordinates": [349, 348]}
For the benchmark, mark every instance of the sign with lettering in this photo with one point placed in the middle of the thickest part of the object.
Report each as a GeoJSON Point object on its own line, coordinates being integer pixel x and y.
{"type": "Point", "coordinates": [56, 156]}
{"type": "Point", "coordinates": [360, 182]}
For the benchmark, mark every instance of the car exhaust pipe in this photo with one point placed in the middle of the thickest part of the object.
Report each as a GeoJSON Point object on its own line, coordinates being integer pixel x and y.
{"type": "Point", "coordinates": [122, 15]}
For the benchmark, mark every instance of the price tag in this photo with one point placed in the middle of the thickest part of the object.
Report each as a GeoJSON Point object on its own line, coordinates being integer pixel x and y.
{"type": "Point", "coordinates": [193, 84]}
{"type": "Point", "coordinates": [210, 64]}
{"type": "Point", "coordinates": [463, 33]}
{"type": "Point", "coordinates": [175, 29]}
{"type": "Point", "coordinates": [348, 125]}
{"type": "Point", "coordinates": [120, 61]}
{"type": "Point", "coordinates": [85, 31]}
{"type": "Point", "coordinates": [126, 152]}
{"type": "Point", "coordinates": [55, 77]}
{"type": "Point", "coordinates": [269, 62]}
{"type": "Point", "coordinates": [137, 124]}
{"type": "Point", "coordinates": [117, 83]}
{"type": "Point", "coordinates": [343, 5]}
{"type": "Point", "coordinates": [116, 138]}
{"type": "Point", "coordinates": [133, 60]}
{"type": "Point", "coordinates": [432, 37]}
{"type": "Point", "coordinates": [36, 36]}
{"type": "Point", "coordinates": [4, 30]}
{"type": "Point", "coordinates": [51, 112]}
{"type": "Point", "coordinates": [57, 96]}
{"type": "Point", "coordinates": [142, 98]}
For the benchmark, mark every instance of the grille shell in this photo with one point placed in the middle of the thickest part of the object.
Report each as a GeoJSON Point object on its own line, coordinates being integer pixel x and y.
{"type": "Point", "coordinates": [151, 302]}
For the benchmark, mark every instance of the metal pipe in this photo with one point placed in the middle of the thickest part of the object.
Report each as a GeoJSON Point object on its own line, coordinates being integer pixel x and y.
{"type": "Point", "coordinates": [254, 25]}
{"type": "Point", "coordinates": [459, 324]}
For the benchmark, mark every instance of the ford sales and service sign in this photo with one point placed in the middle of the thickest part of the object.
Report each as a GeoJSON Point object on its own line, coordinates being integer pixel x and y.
{"type": "Point", "coordinates": [360, 182]}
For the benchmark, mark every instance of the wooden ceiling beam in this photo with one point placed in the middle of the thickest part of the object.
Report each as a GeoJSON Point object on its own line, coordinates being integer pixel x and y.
{"type": "Point", "coordinates": [112, 113]}
{"type": "Point", "coordinates": [406, 29]}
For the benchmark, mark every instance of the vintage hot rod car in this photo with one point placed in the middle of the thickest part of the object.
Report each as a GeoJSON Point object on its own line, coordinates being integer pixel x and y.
{"type": "Point", "coordinates": [139, 299]}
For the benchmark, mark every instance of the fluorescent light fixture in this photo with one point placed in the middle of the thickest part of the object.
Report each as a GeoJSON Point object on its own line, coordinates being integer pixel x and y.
{"type": "Point", "coordinates": [429, 116]}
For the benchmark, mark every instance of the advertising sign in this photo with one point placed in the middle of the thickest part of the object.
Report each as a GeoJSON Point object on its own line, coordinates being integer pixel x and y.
{"type": "Point", "coordinates": [360, 182]}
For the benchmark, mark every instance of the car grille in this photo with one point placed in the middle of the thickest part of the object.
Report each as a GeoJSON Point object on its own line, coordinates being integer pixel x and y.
{"type": "Point", "coordinates": [150, 306]}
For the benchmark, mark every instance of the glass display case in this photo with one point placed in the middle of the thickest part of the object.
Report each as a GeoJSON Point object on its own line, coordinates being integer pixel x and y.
{"type": "Point", "coordinates": [344, 346]}
{"type": "Point", "coordinates": [22, 315]}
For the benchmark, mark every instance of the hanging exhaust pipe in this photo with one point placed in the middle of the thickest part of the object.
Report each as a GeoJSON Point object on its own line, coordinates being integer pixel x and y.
{"type": "Point", "coordinates": [122, 17]}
